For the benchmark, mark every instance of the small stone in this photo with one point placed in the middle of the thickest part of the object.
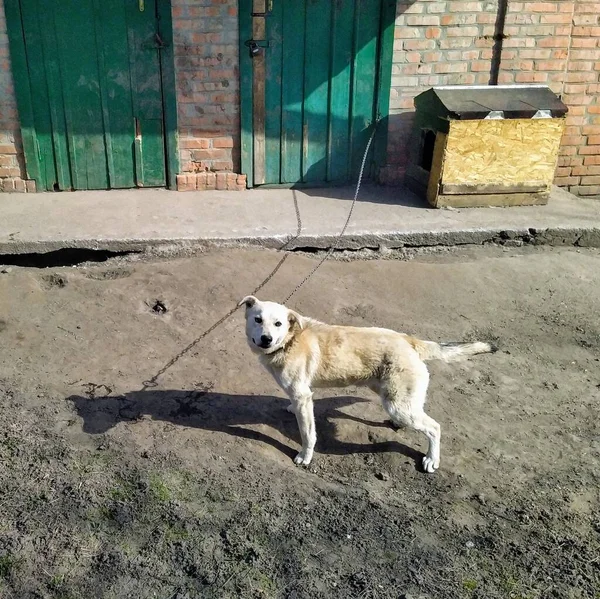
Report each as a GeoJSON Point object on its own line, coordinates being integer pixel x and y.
{"type": "Point", "coordinates": [470, 545]}
{"type": "Point", "coordinates": [513, 243]}
{"type": "Point", "coordinates": [6, 270]}
{"type": "Point", "coordinates": [383, 476]}
{"type": "Point", "coordinates": [481, 498]}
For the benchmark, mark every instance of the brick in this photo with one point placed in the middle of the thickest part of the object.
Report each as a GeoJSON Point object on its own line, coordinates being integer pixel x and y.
{"type": "Point", "coordinates": [8, 149]}
{"type": "Point", "coordinates": [211, 180]}
{"type": "Point", "coordinates": [594, 140]}
{"type": "Point", "coordinates": [30, 186]}
{"type": "Point", "coordinates": [591, 160]}
{"type": "Point", "coordinates": [433, 32]}
{"type": "Point", "coordinates": [591, 190]}
{"type": "Point", "coordinates": [465, 7]}
{"type": "Point", "coordinates": [458, 19]}
{"type": "Point", "coordinates": [590, 150]}
{"type": "Point", "coordinates": [201, 181]}
{"type": "Point", "coordinates": [194, 143]}
{"type": "Point", "coordinates": [563, 171]}
{"type": "Point", "coordinates": [550, 65]}
{"type": "Point", "coordinates": [564, 181]}
{"type": "Point", "coordinates": [544, 7]}
{"type": "Point", "coordinates": [186, 182]}
{"type": "Point", "coordinates": [573, 140]}
{"type": "Point", "coordinates": [9, 172]}
{"type": "Point", "coordinates": [586, 170]}
{"type": "Point", "coordinates": [222, 165]}
{"type": "Point", "coordinates": [460, 67]}
{"type": "Point", "coordinates": [594, 180]}
{"type": "Point", "coordinates": [221, 181]}
{"type": "Point", "coordinates": [462, 31]}
{"type": "Point", "coordinates": [554, 42]}
{"type": "Point", "coordinates": [420, 20]}
{"type": "Point", "coordinates": [223, 142]}
{"type": "Point", "coordinates": [20, 186]}
{"type": "Point", "coordinates": [231, 181]}
{"type": "Point", "coordinates": [531, 77]}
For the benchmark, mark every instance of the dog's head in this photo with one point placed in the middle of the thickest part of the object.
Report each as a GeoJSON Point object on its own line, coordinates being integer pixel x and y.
{"type": "Point", "coordinates": [269, 326]}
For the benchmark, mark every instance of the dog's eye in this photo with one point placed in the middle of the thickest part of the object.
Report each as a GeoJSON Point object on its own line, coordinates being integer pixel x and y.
{"type": "Point", "coordinates": [258, 319]}
{"type": "Point", "coordinates": [277, 324]}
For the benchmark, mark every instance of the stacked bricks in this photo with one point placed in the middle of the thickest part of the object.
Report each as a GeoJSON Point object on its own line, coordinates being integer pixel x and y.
{"type": "Point", "coordinates": [207, 71]}
{"type": "Point", "coordinates": [555, 43]}
{"type": "Point", "coordinates": [12, 172]}
{"type": "Point", "coordinates": [579, 162]}
{"type": "Point", "coordinates": [207, 180]}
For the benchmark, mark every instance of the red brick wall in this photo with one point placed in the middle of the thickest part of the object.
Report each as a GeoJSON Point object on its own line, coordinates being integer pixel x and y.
{"type": "Point", "coordinates": [553, 42]}
{"type": "Point", "coordinates": [11, 154]}
{"type": "Point", "coordinates": [206, 63]}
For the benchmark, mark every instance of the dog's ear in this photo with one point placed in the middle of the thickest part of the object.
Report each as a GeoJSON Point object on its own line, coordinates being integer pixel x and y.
{"type": "Point", "coordinates": [248, 301]}
{"type": "Point", "coordinates": [294, 319]}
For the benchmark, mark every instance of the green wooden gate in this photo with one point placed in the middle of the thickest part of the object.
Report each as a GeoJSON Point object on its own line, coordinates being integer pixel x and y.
{"type": "Point", "coordinates": [90, 91]}
{"type": "Point", "coordinates": [315, 74]}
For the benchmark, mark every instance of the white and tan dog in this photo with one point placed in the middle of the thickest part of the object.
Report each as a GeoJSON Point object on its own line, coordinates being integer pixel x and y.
{"type": "Point", "coordinates": [302, 353]}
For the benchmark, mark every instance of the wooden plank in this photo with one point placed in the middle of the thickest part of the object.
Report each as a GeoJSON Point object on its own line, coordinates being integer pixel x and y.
{"type": "Point", "coordinates": [437, 168]}
{"type": "Point", "coordinates": [367, 22]}
{"type": "Point", "coordinates": [258, 94]}
{"type": "Point", "coordinates": [246, 87]}
{"type": "Point", "coordinates": [338, 147]}
{"type": "Point", "coordinates": [316, 90]}
{"type": "Point", "coordinates": [146, 94]}
{"type": "Point", "coordinates": [386, 50]}
{"type": "Point", "coordinates": [39, 89]}
{"type": "Point", "coordinates": [493, 199]}
{"type": "Point", "coordinates": [273, 59]}
{"type": "Point", "coordinates": [482, 188]}
{"type": "Point", "coordinates": [56, 98]}
{"type": "Point", "coordinates": [115, 91]}
{"type": "Point", "coordinates": [83, 106]}
{"type": "Point", "coordinates": [169, 91]}
{"type": "Point", "coordinates": [502, 151]}
{"type": "Point", "coordinates": [23, 92]}
{"type": "Point", "coordinates": [292, 83]}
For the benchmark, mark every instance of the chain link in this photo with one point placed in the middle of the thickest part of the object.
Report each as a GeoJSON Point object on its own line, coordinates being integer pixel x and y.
{"type": "Point", "coordinates": [153, 382]}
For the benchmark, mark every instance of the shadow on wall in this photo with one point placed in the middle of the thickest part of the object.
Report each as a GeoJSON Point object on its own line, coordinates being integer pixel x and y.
{"type": "Point", "coordinates": [232, 415]}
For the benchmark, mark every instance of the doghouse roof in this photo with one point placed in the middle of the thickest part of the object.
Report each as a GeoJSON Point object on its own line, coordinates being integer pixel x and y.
{"type": "Point", "coordinates": [465, 102]}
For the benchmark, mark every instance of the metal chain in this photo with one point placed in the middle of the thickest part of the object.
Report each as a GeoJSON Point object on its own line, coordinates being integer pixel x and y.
{"type": "Point", "coordinates": [341, 234]}
{"type": "Point", "coordinates": [152, 382]}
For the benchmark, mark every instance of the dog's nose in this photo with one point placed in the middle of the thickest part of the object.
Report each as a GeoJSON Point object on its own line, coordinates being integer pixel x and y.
{"type": "Point", "coordinates": [266, 339]}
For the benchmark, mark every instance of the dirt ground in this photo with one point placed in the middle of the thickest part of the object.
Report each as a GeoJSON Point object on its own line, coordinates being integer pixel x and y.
{"type": "Point", "coordinates": [188, 489]}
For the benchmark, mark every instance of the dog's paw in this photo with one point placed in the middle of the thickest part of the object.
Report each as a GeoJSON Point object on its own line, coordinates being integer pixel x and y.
{"type": "Point", "coordinates": [290, 409]}
{"type": "Point", "coordinates": [430, 465]}
{"type": "Point", "coordinates": [304, 457]}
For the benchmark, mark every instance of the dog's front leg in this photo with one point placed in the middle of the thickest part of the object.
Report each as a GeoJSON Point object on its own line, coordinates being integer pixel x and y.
{"type": "Point", "coordinates": [302, 403]}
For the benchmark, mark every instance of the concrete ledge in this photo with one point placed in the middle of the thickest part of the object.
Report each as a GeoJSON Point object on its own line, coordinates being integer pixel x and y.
{"type": "Point", "coordinates": [155, 220]}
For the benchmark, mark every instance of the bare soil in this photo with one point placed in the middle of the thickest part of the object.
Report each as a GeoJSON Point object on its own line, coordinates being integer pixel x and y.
{"type": "Point", "coordinates": [188, 489]}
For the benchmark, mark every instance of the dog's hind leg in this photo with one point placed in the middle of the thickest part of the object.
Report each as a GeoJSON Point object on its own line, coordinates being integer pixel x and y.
{"type": "Point", "coordinates": [302, 407]}
{"type": "Point", "coordinates": [403, 397]}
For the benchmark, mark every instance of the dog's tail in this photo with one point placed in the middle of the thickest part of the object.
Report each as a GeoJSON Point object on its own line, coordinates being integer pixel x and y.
{"type": "Point", "coordinates": [450, 352]}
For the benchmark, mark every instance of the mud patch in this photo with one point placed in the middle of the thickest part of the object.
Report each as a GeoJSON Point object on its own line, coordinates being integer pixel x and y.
{"type": "Point", "coordinates": [54, 281]}
{"type": "Point", "coordinates": [111, 274]}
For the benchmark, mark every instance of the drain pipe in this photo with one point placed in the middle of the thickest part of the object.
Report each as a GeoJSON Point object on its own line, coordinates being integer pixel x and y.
{"type": "Point", "coordinates": [499, 38]}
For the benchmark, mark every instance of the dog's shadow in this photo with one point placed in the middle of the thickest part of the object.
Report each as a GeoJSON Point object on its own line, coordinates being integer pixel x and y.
{"type": "Point", "coordinates": [233, 415]}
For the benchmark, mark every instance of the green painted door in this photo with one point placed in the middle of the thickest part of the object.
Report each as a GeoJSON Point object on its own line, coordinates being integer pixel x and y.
{"type": "Point", "coordinates": [90, 83]}
{"type": "Point", "coordinates": [313, 82]}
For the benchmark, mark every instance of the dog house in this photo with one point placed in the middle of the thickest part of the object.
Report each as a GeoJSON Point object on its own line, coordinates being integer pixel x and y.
{"type": "Point", "coordinates": [486, 145]}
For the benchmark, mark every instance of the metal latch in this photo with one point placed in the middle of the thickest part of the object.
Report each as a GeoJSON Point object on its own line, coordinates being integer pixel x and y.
{"type": "Point", "coordinates": [254, 46]}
